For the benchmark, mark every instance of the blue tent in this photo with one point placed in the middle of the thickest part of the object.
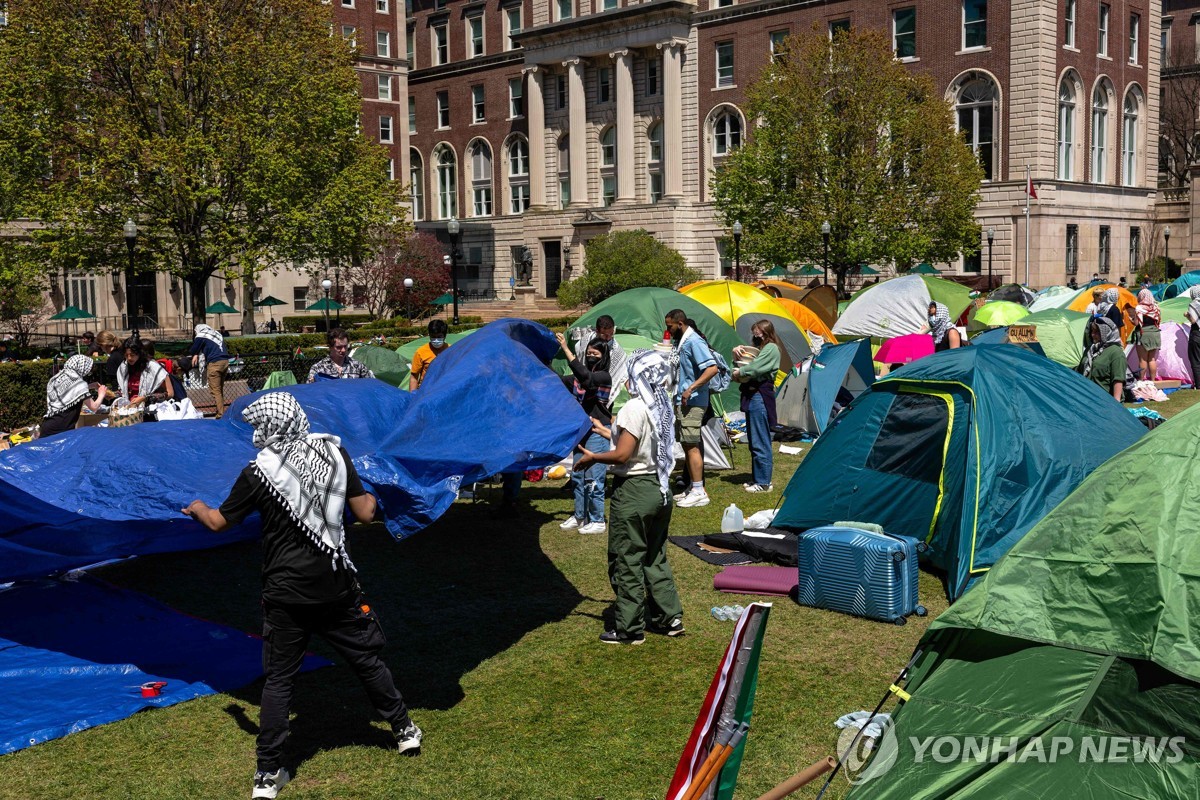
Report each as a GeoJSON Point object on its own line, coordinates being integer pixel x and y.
{"type": "Point", "coordinates": [806, 398]}
{"type": "Point", "coordinates": [1181, 284]}
{"type": "Point", "coordinates": [965, 449]}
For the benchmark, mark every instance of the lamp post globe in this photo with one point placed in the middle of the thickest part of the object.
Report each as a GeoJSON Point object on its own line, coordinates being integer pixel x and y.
{"type": "Point", "coordinates": [327, 285]}
{"type": "Point", "coordinates": [825, 229]}
{"type": "Point", "coordinates": [453, 227]}
{"type": "Point", "coordinates": [408, 285]}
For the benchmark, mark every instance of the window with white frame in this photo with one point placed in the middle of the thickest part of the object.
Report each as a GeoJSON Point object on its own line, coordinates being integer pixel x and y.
{"type": "Point", "coordinates": [1135, 35]}
{"type": "Point", "coordinates": [1066, 129]}
{"type": "Point", "coordinates": [381, 6]}
{"type": "Point", "coordinates": [1105, 250]}
{"type": "Point", "coordinates": [654, 161]}
{"type": "Point", "coordinates": [475, 35]}
{"type": "Point", "coordinates": [1129, 141]}
{"type": "Point", "coordinates": [1072, 249]}
{"type": "Point", "coordinates": [976, 116]}
{"type": "Point", "coordinates": [723, 3]}
{"type": "Point", "coordinates": [416, 180]}
{"type": "Point", "coordinates": [904, 32]}
{"type": "Point", "coordinates": [383, 44]}
{"type": "Point", "coordinates": [1099, 133]}
{"type": "Point", "coordinates": [974, 24]}
{"type": "Point", "coordinates": [384, 84]}
{"type": "Point", "coordinates": [1069, 23]}
{"type": "Point", "coordinates": [412, 114]}
{"type": "Point", "coordinates": [391, 169]}
{"type": "Point", "coordinates": [347, 3]}
{"type": "Point", "coordinates": [350, 35]}
{"type": "Point", "coordinates": [80, 291]}
{"type": "Point", "coordinates": [481, 180]}
{"type": "Point", "coordinates": [385, 128]}
{"type": "Point", "coordinates": [724, 64]}
{"type": "Point", "coordinates": [518, 176]}
{"type": "Point", "coordinates": [512, 26]}
{"type": "Point", "coordinates": [299, 297]}
{"type": "Point", "coordinates": [1164, 42]}
{"type": "Point", "coordinates": [838, 26]}
{"type": "Point", "coordinates": [727, 133]}
{"type": "Point", "coordinates": [609, 5]}
{"type": "Point", "coordinates": [608, 165]}
{"type": "Point", "coordinates": [603, 85]}
{"type": "Point", "coordinates": [651, 76]}
{"type": "Point", "coordinates": [478, 112]}
{"type": "Point", "coordinates": [447, 182]}
{"type": "Point", "coordinates": [564, 171]}
{"type": "Point", "coordinates": [775, 40]}
{"type": "Point", "coordinates": [565, 9]}
{"type": "Point", "coordinates": [441, 44]}
{"type": "Point", "coordinates": [443, 109]}
{"type": "Point", "coordinates": [1102, 30]}
{"type": "Point", "coordinates": [516, 98]}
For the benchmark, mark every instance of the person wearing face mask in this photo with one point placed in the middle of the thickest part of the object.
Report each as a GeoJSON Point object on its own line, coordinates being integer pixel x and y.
{"type": "Point", "coordinates": [757, 379]}
{"type": "Point", "coordinates": [591, 385]}
{"type": "Point", "coordinates": [426, 353]}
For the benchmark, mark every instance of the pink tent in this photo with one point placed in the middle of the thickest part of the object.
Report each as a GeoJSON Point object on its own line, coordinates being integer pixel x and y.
{"type": "Point", "coordinates": [1172, 358]}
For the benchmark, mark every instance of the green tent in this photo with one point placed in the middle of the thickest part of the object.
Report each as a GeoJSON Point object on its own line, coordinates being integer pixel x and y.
{"type": "Point", "coordinates": [1173, 310]}
{"type": "Point", "coordinates": [1085, 636]}
{"type": "Point", "coordinates": [1060, 333]}
{"type": "Point", "coordinates": [392, 367]}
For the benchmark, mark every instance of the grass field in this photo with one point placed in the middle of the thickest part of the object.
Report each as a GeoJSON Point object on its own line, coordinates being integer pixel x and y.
{"type": "Point", "coordinates": [493, 628]}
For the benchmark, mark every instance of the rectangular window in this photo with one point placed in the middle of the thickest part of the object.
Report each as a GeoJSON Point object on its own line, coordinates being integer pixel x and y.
{"type": "Point", "coordinates": [1164, 42]}
{"type": "Point", "coordinates": [974, 22]}
{"type": "Point", "coordinates": [724, 3]}
{"type": "Point", "coordinates": [385, 129]}
{"type": "Point", "coordinates": [381, 6]}
{"type": "Point", "coordinates": [565, 8]}
{"type": "Point", "coordinates": [383, 44]}
{"type": "Point", "coordinates": [724, 63]}
{"type": "Point", "coordinates": [416, 191]}
{"type": "Point", "coordinates": [81, 291]}
{"type": "Point", "coordinates": [412, 114]}
{"type": "Point", "coordinates": [1105, 260]}
{"type": "Point", "coordinates": [1102, 29]}
{"type": "Point", "coordinates": [410, 47]}
{"type": "Point", "coordinates": [608, 190]}
{"type": "Point", "coordinates": [478, 113]}
{"type": "Point", "coordinates": [475, 35]}
{"type": "Point", "coordinates": [1135, 250]}
{"type": "Point", "coordinates": [904, 32]}
{"type": "Point", "coordinates": [839, 26]}
{"type": "Point", "coordinates": [564, 192]}
{"type": "Point", "coordinates": [1135, 35]}
{"type": "Point", "coordinates": [1069, 24]}
{"type": "Point", "coordinates": [973, 262]}
{"type": "Point", "coordinates": [391, 169]}
{"type": "Point", "coordinates": [443, 109]}
{"type": "Point", "coordinates": [777, 38]}
{"type": "Point", "coordinates": [656, 187]}
{"type": "Point", "coordinates": [603, 85]}
{"type": "Point", "coordinates": [512, 21]}
{"type": "Point", "coordinates": [441, 44]}
{"type": "Point", "coordinates": [299, 298]}
{"type": "Point", "coordinates": [384, 82]}
{"type": "Point", "coordinates": [1072, 249]}
{"type": "Point", "coordinates": [520, 198]}
{"type": "Point", "coordinates": [347, 3]}
{"type": "Point", "coordinates": [652, 77]}
{"type": "Point", "coordinates": [609, 5]}
{"type": "Point", "coordinates": [560, 91]}
{"type": "Point", "coordinates": [482, 198]}
{"type": "Point", "coordinates": [516, 98]}
{"type": "Point", "coordinates": [348, 33]}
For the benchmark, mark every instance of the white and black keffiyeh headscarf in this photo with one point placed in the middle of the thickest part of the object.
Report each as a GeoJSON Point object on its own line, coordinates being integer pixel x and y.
{"type": "Point", "coordinates": [153, 377]}
{"type": "Point", "coordinates": [649, 380]}
{"type": "Point", "coordinates": [939, 325]}
{"type": "Point", "coordinates": [1110, 336]}
{"type": "Point", "coordinates": [303, 470]}
{"type": "Point", "coordinates": [69, 386]}
{"type": "Point", "coordinates": [213, 335]}
{"type": "Point", "coordinates": [1107, 301]}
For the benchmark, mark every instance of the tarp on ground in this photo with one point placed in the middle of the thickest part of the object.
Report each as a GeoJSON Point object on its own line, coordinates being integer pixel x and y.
{"type": "Point", "coordinates": [95, 493]}
{"type": "Point", "coordinates": [75, 653]}
{"type": "Point", "coordinates": [1089, 627]}
{"type": "Point", "coordinates": [965, 449]}
{"type": "Point", "coordinates": [899, 306]}
{"type": "Point", "coordinates": [1060, 332]}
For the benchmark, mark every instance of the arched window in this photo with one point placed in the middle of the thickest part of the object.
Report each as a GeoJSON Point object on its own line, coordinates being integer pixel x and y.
{"type": "Point", "coordinates": [976, 116]}
{"type": "Point", "coordinates": [727, 133]}
{"type": "Point", "coordinates": [416, 180]}
{"type": "Point", "coordinates": [447, 181]}
{"type": "Point", "coordinates": [654, 161]}
{"type": "Point", "coordinates": [1099, 133]}
{"type": "Point", "coordinates": [608, 165]}
{"type": "Point", "coordinates": [1129, 141]}
{"type": "Point", "coordinates": [1066, 129]}
{"type": "Point", "coordinates": [481, 179]}
{"type": "Point", "coordinates": [564, 171]}
{"type": "Point", "coordinates": [518, 176]}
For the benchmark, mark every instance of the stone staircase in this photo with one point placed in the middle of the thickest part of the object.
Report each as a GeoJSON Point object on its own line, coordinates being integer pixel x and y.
{"type": "Point", "coordinates": [491, 310]}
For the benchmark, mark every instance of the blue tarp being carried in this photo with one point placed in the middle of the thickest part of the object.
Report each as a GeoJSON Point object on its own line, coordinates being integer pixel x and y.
{"type": "Point", "coordinates": [489, 404]}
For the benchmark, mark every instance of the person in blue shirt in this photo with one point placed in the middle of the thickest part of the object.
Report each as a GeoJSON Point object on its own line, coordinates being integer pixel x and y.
{"type": "Point", "coordinates": [697, 367]}
{"type": "Point", "coordinates": [211, 359]}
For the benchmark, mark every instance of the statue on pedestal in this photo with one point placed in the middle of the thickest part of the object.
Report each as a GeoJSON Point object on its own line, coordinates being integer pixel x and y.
{"type": "Point", "coordinates": [525, 267]}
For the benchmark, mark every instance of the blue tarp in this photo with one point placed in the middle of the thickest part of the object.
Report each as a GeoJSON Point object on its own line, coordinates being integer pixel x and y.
{"type": "Point", "coordinates": [489, 404]}
{"type": "Point", "coordinates": [74, 654]}
{"type": "Point", "coordinates": [1181, 284]}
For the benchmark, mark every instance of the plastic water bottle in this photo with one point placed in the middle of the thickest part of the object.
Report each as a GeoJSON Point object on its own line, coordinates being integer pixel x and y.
{"type": "Point", "coordinates": [731, 520]}
{"type": "Point", "coordinates": [727, 613]}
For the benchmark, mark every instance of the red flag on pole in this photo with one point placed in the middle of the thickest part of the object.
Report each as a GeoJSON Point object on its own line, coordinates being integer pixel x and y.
{"type": "Point", "coordinates": [1029, 190]}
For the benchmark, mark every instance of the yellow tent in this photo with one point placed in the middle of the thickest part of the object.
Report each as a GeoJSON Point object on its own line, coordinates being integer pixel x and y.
{"type": "Point", "coordinates": [1126, 299]}
{"type": "Point", "coordinates": [807, 319]}
{"type": "Point", "coordinates": [741, 305]}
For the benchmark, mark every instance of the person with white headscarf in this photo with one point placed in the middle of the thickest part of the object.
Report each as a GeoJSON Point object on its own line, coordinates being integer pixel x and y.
{"type": "Point", "coordinates": [210, 358]}
{"type": "Point", "coordinates": [67, 394]}
{"type": "Point", "coordinates": [141, 378]}
{"type": "Point", "coordinates": [301, 484]}
{"type": "Point", "coordinates": [643, 436]}
{"type": "Point", "coordinates": [1149, 336]}
{"type": "Point", "coordinates": [1193, 346]}
{"type": "Point", "coordinates": [941, 328]}
{"type": "Point", "coordinates": [1104, 361]}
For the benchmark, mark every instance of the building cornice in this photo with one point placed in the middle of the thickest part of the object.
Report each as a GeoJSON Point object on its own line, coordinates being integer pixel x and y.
{"type": "Point", "coordinates": [466, 66]}
{"type": "Point", "coordinates": [606, 23]}
{"type": "Point", "coordinates": [761, 8]}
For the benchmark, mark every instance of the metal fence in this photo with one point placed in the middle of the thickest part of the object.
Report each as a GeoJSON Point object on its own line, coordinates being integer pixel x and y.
{"type": "Point", "coordinates": [256, 368]}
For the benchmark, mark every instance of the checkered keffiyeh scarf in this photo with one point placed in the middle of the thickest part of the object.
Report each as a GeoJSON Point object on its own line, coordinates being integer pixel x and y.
{"type": "Point", "coordinates": [153, 377]}
{"type": "Point", "coordinates": [213, 335]}
{"type": "Point", "coordinates": [649, 380]}
{"type": "Point", "coordinates": [940, 324]}
{"type": "Point", "coordinates": [304, 471]}
{"type": "Point", "coordinates": [69, 386]}
{"type": "Point", "coordinates": [1107, 301]}
{"type": "Point", "coordinates": [350, 368]}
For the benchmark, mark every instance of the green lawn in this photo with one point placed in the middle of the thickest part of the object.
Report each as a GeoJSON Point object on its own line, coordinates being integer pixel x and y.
{"type": "Point", "coordinates": [493, 628]}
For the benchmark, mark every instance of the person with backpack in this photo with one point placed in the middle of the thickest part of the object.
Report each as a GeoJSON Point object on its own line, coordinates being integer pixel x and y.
{"type": "Point", "coordinates": [697, 367]}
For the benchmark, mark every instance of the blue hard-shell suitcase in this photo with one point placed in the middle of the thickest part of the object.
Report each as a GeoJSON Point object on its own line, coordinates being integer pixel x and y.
{"type": "Point", "coordinates": [859, 572]}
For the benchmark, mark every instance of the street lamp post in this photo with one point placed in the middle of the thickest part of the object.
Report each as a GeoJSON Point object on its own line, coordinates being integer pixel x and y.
{"type": "Point", "coordinates": [737, 251]}
{"type": "Point", "coordinates": [130, 230]}
{"type": "Point", "coordinates": [825, 238]}
{"type": "Point", "coordinates": [326, 285]}
{"type": "Point", "coordinates": [991, 234]}
{"type": "Point", "coordinates": [408, 284]}
{"type": "Point", "coordinates": [453, 227]}
{"type": "Point", "coordinates": [1167, 247]}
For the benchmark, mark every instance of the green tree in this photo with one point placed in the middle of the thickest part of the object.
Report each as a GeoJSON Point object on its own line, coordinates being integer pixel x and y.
{"type": "Point", "coordinates": [228, 130]}
{"type": "Point", "coordinates": [844, 133]}
{"type": "Point", "coordinates": [621, 260]}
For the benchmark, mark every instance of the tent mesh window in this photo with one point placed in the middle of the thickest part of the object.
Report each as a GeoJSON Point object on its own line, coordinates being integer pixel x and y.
{"type": "Point", "coordinates": [910, 440]}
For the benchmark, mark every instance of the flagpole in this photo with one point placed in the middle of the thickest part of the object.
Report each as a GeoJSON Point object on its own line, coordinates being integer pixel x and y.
{"type": "Point", "coordinates": [1027, 185]}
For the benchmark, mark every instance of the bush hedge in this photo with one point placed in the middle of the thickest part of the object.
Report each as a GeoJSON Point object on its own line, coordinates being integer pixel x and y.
{"type": "Point", "coordinates": [23, 392]}
{"type": "Point", "coordinates": [296, 324]}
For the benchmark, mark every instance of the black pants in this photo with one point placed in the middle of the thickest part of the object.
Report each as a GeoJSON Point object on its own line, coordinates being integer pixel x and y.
{"type": "Point", "coordinates": [1193, 353]}
{"type": "Point", "coordinates": [357, 637]}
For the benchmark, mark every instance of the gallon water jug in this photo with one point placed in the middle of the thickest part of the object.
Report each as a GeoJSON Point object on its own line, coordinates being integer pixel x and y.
{"type": "Point", "coordinates": [731, 520]}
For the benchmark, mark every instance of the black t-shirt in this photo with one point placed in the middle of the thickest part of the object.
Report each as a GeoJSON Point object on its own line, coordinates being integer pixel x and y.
{"type": "Point", "coordinates": [293, 570]}
{"type": "Point", "coordinates": [62, 421]}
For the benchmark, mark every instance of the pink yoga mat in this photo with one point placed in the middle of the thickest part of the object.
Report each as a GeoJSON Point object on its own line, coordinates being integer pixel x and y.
{"type": "Point", "coordinates": [757, 580]}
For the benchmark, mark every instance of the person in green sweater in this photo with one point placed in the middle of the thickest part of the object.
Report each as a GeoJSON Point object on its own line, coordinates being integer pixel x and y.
{"type": "Point", "coordinates": [757, 379]}
{"type": "Point", "coordinates": [1104, 362]}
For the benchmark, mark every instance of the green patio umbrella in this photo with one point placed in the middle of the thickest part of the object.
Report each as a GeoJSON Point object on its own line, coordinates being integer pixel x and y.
{"type": "Point", "coordinates": [269, 301]}
{"type": "Point", "coordinates": [444, 300]}
{"type": "Point", "coordinates": [325, 304]}
{"type": "Point", "coordinates": [809, 269]}
{"type": "Point", "coordinates": [220, 308]}
{"type": "Point", "coordinates": [776, 272]}
{"type": "Point", "coordinates": [864, 269]}
{"type": "Point", "coordinates": [71, 312]}
{"type": "Point", "coordinates": [925, 268]}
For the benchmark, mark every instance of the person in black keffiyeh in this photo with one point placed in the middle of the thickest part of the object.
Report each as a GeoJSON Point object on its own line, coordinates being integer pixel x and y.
{"type": "Point", "coordinates": [67, 394]}
{"type": "Point", "coordinates": [301, 484]}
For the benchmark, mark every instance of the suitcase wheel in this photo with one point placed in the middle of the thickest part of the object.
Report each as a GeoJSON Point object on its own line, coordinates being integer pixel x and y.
{"type": "Point", "coordinates": [921, 611]}
{"type": "Point", "coordinates": [898, 556]}
{"type": "Point", "coordinates": [900, 620]}
{"type": "Point", "coordinates": [922, 547]}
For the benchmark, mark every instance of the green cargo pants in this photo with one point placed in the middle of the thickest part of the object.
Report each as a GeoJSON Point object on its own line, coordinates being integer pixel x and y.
{"type": "Point", "coordinates": [637, 556]}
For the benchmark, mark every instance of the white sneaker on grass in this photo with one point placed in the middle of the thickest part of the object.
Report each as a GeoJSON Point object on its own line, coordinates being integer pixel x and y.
{"type": "Point", "coordinates": [593, 527]}
{"type": "Point", "coordinates": [770, 487]}
{"type": "Point", "coordinates": [694, 499]}
{"type": "Point", "coordinates": [569, 524]}
{"type": "Point", "coordinates": [268, 784]}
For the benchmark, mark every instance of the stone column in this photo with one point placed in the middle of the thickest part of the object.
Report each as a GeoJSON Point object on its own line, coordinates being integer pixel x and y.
{"type": "Point", "coordinates": [577, 114]}
{"type": "Point", "coordinates": [535, 114]}
{"type": "Point", "coordinates": [625, 172]}
{"type": "Point", "coordinates": [672, 119]}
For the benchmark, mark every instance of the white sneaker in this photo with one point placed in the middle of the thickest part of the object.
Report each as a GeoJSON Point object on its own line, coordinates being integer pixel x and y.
{"type": "Point", "coordinates": [694, 499]}
{"type": "Point", "coordinates": [680, 495]}
{"type": "Point", "coordinates": [594, 527]}
{"type": "Point", "coordinates": [268, 784]}
{"type": "Point", "coordinates": [770, 487]}
{"type": "Point", "coordinates": [569, 524]}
